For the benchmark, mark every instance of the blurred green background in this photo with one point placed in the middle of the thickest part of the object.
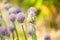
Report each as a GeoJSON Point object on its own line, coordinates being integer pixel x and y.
{"type": "Point", "coordinates": [48, 8]}
{"type": "Point", "coordinates": [25, 4]}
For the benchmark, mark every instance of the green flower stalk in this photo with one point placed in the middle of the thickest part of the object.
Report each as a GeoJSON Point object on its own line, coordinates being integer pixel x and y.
{"type": "Point", "coordinates": [2, 38]}
{"type": "Point", "coordinates": [31, 17]}
{"type": "Point", "coordinates": [16, 31]}
{"type": "Point", "coordinates": [11, 28]}
{"type": "Point", "coordinates": [32, 32]}
{"type": "Point", "coordinates": [34, 37]}
{"type": "Point", "coordinates": [13, 35]}
{"type": "Point", "coordinates": [12, 18]}
{"type": "Point", "coordinates": [20, 19]}
{"type": "Point", "coordinates": [24, 32]}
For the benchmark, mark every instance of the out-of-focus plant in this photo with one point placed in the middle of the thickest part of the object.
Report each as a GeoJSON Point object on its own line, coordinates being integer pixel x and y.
{"type": "Point", "coordinates": [18, 10]}
{"type": "Point", "coordinates": [47, 11]}
{"type": "Point", "coordinates": [20, 19]}
{"type": "Point", "coordinates": [12, 17]}
{"type": "Point", "coordinates": [31, 15]}
{"type": "Point", "coordinates": [12, 10]}
{"type": "Point", "coordinates": [47, 37]}
{"type": "Point", "coordinates": [31, 19]}
{"type": "Point", "coordinates": [4, 32]}
{"type": "Point", "coordinates": [7, 5]}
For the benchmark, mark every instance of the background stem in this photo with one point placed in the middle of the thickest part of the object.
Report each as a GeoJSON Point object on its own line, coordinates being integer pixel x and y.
{"type": "Point", "coordinates": [24, 32]}
{"type": "Point", "coordinates": [16, 31]}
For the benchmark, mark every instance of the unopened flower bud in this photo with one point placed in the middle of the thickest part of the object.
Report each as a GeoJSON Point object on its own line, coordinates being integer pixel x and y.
{"type": "Point", "coordinates": [11, 26]}
{"type": "Point", "coordinates": [20, 17]}
{"type": "Point", "coordinates": [18, 10]}
{"type": "Point", "coordinates": [12, 17]}
{"type": "Point", "coordinates": [12, 10]}
{"type": "Point", "coordinates": [47, 37]}
{"type": "Point", "coordinates": [7, 6]}
{"type": "Point", "coordinates": [31, 10]}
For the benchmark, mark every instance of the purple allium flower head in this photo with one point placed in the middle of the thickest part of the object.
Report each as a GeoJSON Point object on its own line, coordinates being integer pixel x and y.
{"type": "Point", "coordinates": [47, 37]}
{"type": "Point", "coordinates": [32, 10]}
{"type": "Point", "coordinates": [4, 31]}
{"type": "Point", "coordinates": [30, 31]}
{"type": "Point", "coordinates": [18, 10]}
{"type": "Point", "coordinates": [12, 10]}
{"type": "Point", "coordinates": [12, 17]}
{"type": "Point", "coordinates": [11, 26]}
{"type": "Point", "coordinates": [20, 17]}
{"type": "Point", "coordinates": [7, 6]}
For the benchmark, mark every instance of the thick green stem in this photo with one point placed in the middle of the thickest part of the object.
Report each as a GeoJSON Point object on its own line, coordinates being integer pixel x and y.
{"type": "Point", "coordinates": [24, 32]}
{"type": "Point", "coordinates": [13, 34]}
{"type": "Point", "coordinates": [34, 37]}
{"type": "Point", "coordinates": [16, 31]}
{"type": "Point", "coordinates": [2, 38]}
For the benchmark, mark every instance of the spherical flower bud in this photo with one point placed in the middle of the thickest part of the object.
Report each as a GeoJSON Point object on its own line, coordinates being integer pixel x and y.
{"type": "Point", "coordinates": [12, 17]}
{"type": "Point", "coordinates": [11, 27]}
{"type": "Point", "coordinates": [20, 17]}
{"type": "Point", "coordinates": [4, 31]}
{"type": "Point", "coordinates": [32, 10]}
{"type": "Point", "coordinates": [18, 10]}
{"type": "Point", "coordinates": [47, 37]}
{"type": "Point", "coordinates": [12, 10]}
{"type": "Point", "coordinates": [30, 31]}
{"type": "Point", "coordinates": [7, 6]}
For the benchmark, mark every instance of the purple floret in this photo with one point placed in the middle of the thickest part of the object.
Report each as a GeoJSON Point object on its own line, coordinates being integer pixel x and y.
{"type": "Point", "coordinates": [18, 10]}
{"type": "Point", "coordinates": [11, 26]}
{"type": "Point", "coordinates": [4, 31]}
{"type": "Point", "coordinates": [7, 6]}
{"type": "Point", "coordinates": [47, 37]}
{"type": "Point", "coordinates": [32, 10]}
{"type": "Point", "coordinates": [12, 17]}
{"type": "Point", "coordinates": [12, 10]}
{"type": "Point", "coordinates": [30, 31]}
{"type": "Point", "coordinates": [20, 17]}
